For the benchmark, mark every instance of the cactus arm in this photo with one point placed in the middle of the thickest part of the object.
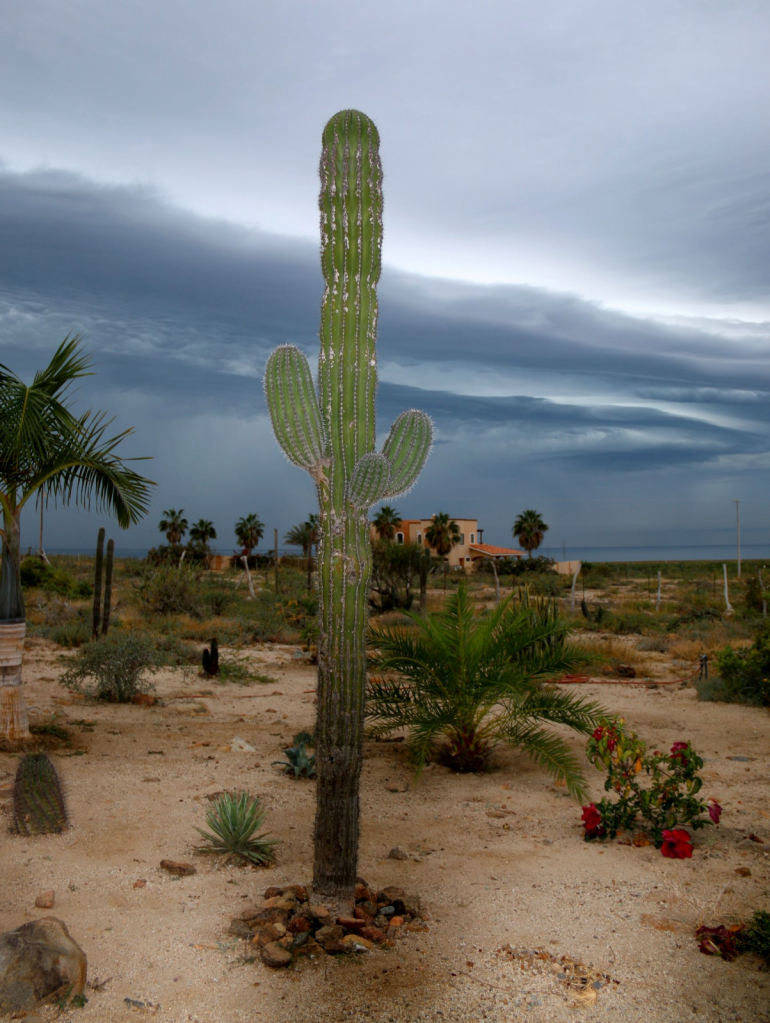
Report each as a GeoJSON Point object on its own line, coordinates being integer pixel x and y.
{"type": "Point", "coordinates": [370, 480]}
{"type": "Point", "coordinates": [293, 407]}
{"type": "Point", "coordinates": [407, 449]}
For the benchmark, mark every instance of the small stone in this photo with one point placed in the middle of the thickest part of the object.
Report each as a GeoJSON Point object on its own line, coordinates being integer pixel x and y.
{"type": "Point", "coordinates": [37, 959]}
{"type": "Point", "coordinates": [275, 955]}
{"type": "Point", "coordinates": [373, 934]}
{"type": "Point", "coordinates": [140, 883]}
{"type": "Point", "coordinates": [45, 900]}
{"type": "Point", "coordinates": [177, 869]}
{"type": "Point", "coordinates": [287, 941]}
{"type": "Point", "coordinates": [238, 928]}
{"type": "Point", "coordinates": [298, 925]}
{"type": "Point", "coordinates": [271, 893]}
{"type": "Point", "coordinates": [380, 921]}
{"type": "Point", "coordinates": [320, 913]}
{"type": "Point", "coordinates": [299, 891]}
{"type": "Point", "coordinates": [356, 943]}
{"type": "Point", "coordinates": [397, 854]}
{"type": "Point", "coordinates": [390, 895]}
{"type": "Point", "coordinates": [362, 893]}
{"type": "Point", "coordinates": [351, 923]}
{"type": "Point", "coordinates": [416, 928]}
{"type": "Point", "coordinates": [387, 910]}
{"type": "Point", "coordinates": [743, 872]}
{"type": "Point", "coordinates": [396, 921]}
{"type": "Point", "coordinates": [392, 788]}
{"type": "Point", "coordinates": [361, 914]}
{"type": "Point", "coordinates": [329, 933]}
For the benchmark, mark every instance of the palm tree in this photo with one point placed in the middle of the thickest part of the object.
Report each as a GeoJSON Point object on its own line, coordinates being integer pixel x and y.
{"type": "Point", "coordinates": [248, 532]}
{"type": "Point", "coordinates": [305, 535]}
{"type": "Point", "coordinates": [530, 530]}
{"type": "Point", "coordinates": [385, 522]}
{"type": "Point", "coordinates": [442, 534]}
{"type": "Point", "coordinates": [200, 533]}
{"type": "Point", "coordinates": [44, 445]}
{"type": "Point", "coordinates": [463, 683]}
{"type": "Point", "coordinates": [174, 525]}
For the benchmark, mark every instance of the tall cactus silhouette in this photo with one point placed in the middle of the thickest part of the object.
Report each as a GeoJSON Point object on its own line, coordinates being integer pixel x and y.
{"type": "Point", "coordinates": [330, 432]}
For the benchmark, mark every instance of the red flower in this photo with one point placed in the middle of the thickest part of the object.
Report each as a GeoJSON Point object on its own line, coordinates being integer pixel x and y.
{"type": "Point", "coordinates": [598, 734]}
{"type": "Point", "coordinates": [677, 751]}
{"type": "Point", "coordinates": [611, 735]}
{"type": "Point", "coordinates": [715, 811]}
{"type": "Point", "coordinates": [677, 844]}
{"type": "Point", "coordinates": [592, 821]}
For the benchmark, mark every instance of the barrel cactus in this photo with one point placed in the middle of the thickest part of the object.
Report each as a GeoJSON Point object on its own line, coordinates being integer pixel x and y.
{"type": "Point", "coordinates": [329, 430]}
{"type": "Point", "coordinates": [38, 799]}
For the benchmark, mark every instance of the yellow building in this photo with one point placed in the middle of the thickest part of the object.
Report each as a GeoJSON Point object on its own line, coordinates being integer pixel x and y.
{"type": "Point", "coordinates": [469, 550]}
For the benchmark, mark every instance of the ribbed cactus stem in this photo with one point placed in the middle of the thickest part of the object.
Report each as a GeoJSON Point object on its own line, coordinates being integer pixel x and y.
{"type": "Point", "coordinates": [332, 435]}
{"type": "Point", "coordinates": [98, 582]}
{"type": "Point", "coordinates": [108, 587]}
{"type": "Point", "coordinates": [38, 800]}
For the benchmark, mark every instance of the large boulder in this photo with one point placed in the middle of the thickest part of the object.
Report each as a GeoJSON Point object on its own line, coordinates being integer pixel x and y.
{"type": "Point", "coordinates": [36, 960]}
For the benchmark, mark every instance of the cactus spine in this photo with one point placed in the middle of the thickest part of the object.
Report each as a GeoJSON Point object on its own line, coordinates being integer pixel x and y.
{"type": "Point", "coordinates": [331, 434]}
{"type": "Point", "coordinates": [108, 587]}
{"type": "Point", "coordinates": [98, 582]}
{"type": "Point", "coordinates": [38, 800]}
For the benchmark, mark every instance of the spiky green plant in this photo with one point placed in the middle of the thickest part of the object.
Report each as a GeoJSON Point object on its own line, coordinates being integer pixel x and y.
{"type": "Point", "coordinates": [331, 433]}
{"type": "Point", "coordinates": [235, 820]}
{"type": "Point", "coordinates": [463, 683]}
{"type": "Point", "coordinates": [38, 800]}
{"type": "Point", "coordinates": [297, 761]}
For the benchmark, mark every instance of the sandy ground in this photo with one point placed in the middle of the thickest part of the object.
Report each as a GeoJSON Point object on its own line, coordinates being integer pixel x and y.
{"type": "Point", "coordinates": [498, 859]}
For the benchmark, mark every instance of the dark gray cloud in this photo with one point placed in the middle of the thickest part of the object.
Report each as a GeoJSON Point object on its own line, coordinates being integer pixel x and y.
{"type": "Point", "coordinates": [538, 397]}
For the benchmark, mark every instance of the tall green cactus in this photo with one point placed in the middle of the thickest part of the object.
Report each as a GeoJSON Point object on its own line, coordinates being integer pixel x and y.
{"type": "Point", "coordinates": [97, 611]}
{"type": "Point", "coordinates": [331, 433]}
{"type": "Point", "coordinates": [108, 587]}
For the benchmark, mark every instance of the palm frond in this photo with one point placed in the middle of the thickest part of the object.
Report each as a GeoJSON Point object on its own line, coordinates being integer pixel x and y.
{"type": "Point", "coordinates": [553, 754]}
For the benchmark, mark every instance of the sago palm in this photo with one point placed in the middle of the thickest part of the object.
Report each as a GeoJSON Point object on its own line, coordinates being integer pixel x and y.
{"type": "Point", "coordinates": [174, 525]}
{"type": "Point", "coordinates": [463, 682]}
{"type": "Point", "coordinates": [45, 448]}
{"type": "Point", "coordinates": [249, 530]}
{"type": "Point", "coordinates": [530, 530]}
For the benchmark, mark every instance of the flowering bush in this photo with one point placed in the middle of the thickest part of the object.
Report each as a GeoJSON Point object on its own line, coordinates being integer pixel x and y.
{"type": "Point", "coordinates": [670, 801]}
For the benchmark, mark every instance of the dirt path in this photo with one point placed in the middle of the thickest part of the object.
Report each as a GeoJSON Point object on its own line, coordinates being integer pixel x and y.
{"type": "Point", "coordinates": [498, 859]}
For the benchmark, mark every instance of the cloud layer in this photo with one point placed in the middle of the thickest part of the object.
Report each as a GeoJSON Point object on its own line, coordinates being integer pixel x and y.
{"type": "Point", "coordinates": [540, 399]}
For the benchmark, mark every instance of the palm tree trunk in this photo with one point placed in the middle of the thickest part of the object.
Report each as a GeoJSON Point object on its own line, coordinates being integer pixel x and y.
{"type": "Point", "coordinates": [14, 723]}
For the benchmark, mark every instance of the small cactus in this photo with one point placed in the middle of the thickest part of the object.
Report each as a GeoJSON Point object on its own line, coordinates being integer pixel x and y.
{"type": "Point", "coordinates": [108, 587]}
{"type": "Point", "coordinates": [38, 800]}
{"type": "Point", "coordinates": [297, 761]}
{"type": "Point", "coordinates": [98, 582]}
{"type": "Point", "coordinates": [210, 658]}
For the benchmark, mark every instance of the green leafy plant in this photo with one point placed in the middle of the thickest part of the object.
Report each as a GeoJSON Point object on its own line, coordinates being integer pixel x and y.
{"type": "Point", "coordinates": [745, 674]}
{"type": "Point", "coordinates": [297, 761]}
{"type": "Point", "coordinates": [38, 799]}
{"type": "Point", "coordinates": [462, 683]}
{"type": "Point", "coordinates": [663, 807]}
{"type": "Point", "coordinates": [36, 575]}
{"type": "Point", "coordinates": [114, 667]}
{"type": "Point", "coordinates": [169, 589]}
{"type": "Point", "coordinates": [235, 820]}
{"type": "Point", "coordinates": [756, 937]}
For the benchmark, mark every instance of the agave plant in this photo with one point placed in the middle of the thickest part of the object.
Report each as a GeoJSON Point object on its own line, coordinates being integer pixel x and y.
{"type": "Point", "coordinates": [297, 761]}
{"type": "Point", "coordinates": [235, 819]}
{"type": "Point", "coordinates": [463, 682]}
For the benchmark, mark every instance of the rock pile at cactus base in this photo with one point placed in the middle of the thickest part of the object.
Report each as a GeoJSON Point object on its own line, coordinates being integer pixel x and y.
{"type": "Point", "coordinates": [288, 925]}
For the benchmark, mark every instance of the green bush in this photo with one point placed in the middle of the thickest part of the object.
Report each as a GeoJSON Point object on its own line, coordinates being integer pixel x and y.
{"type": "Point", "coordinates": [36, 575]}
{"type": "Point", "coordinates": [745, 674]}
{"type": "Point", "coordinates": [114, 667]}
{"type": "Point", "coordinates": [166, 589]}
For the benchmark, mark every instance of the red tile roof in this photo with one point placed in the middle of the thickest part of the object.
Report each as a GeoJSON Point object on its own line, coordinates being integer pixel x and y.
{"type": "Point", "coordinates": [494, 552]}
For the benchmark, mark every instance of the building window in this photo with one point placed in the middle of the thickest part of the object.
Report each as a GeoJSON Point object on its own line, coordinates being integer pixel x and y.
{"type": "Point", "coordinates": [419, 538]}
{"type": "Point", "coordinates": [399, 537]}
{"type": "Point", "coordinates": [462, 538]}
{"type": "Point", "coordinates": [467, 559]}
{"type": "Point", "coordinates": [473, 538]}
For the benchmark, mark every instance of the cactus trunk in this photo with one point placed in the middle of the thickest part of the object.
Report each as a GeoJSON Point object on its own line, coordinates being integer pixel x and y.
{"type": "Point", "coordinates": [108, 587]}
{"type": "Point", "coordinates": [331, 434]}
{"type": "Point", "coordinates": [98, 582]}
{"type": "Point", "coordinates": [14, 721]}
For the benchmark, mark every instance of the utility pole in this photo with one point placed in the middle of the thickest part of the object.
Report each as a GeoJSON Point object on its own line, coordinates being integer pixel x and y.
{"type": "Point", "coordinates": [738, 532]}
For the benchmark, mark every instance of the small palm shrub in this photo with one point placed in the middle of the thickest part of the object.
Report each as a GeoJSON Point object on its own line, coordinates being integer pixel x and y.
{"type": "Point", "coordinates": [235, 820]}
{"type": "Point", "coordinates": [114, 667]}
{"type": "Point", "coordinates": [463, 682]}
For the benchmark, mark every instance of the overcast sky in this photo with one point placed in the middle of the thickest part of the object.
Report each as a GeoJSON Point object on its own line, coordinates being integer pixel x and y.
{"type": "Point", "coordinates": [577, 241]}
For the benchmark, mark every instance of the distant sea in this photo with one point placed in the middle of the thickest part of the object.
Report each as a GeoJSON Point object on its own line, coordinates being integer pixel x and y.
{"type": "Point", "coordinates": [674, 552]}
